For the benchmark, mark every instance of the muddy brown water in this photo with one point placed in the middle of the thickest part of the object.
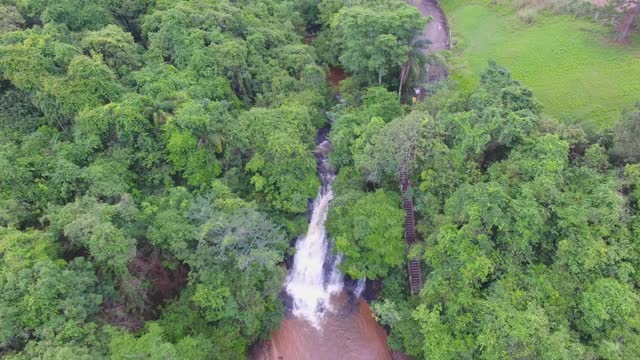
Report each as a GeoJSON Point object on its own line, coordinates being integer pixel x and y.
{"type": "Point", "coordinates": [349, 332]}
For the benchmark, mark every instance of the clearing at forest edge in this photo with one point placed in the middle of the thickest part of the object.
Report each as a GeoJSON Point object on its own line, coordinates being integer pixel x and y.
{"type": "Point", "coordinates": [570, 64]}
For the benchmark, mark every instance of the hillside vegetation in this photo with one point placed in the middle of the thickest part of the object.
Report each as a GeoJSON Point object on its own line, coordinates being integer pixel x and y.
{"type": "Point", "coordinates": [157, 164]}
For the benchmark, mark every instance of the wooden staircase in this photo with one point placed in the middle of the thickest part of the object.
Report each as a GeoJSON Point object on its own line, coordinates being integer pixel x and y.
{"type": "Point", "coordinates": [415, 271]}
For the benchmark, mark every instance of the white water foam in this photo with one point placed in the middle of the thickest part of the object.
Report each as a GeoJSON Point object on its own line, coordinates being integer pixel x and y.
{"type": "Point", "coordinates": [359, 287]}
{"type": "Point", "coordinates": [308, 284]}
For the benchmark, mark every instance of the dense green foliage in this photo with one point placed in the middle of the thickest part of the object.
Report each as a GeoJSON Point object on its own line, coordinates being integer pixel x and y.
{"type": "Point", "coordinates": [530, 245]}
{"type": "Point", "coordinates": [372, 37]}
{"type": "Point", "coordinates": [156, 161]}
{"type": "Point", "coordinates": [141, 140]}
{"type": "Point", "coordinates": [368, 232]}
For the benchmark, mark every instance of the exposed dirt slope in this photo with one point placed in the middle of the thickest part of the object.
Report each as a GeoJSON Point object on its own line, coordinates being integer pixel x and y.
{"type": "Point", "coordinates": [437, 30]}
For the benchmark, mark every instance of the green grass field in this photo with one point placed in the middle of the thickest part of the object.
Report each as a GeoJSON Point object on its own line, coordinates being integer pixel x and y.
{"type": "Point", "coordinates": [570, 64]}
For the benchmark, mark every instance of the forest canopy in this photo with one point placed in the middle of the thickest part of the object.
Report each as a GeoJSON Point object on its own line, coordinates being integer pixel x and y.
{"type": "Point", "coordinates": [157, 164]}
{"type": "Point", "coordinates": [156, 161]}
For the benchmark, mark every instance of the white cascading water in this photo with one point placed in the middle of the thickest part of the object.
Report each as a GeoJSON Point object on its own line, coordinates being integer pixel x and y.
{"type": "Point", "coordinates": [309, 284]}
{"type": "Point", "coordinates": [357, 291]}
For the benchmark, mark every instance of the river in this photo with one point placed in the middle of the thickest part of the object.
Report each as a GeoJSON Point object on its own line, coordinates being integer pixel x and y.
{"type": "Point", "coordinates": [325, 319]}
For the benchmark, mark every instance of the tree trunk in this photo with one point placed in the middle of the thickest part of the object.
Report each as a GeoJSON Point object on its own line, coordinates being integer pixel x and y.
{"type": "Point", "coordinates": [626, 25]}
{"type": "Point", "coordinates": [403, 77]}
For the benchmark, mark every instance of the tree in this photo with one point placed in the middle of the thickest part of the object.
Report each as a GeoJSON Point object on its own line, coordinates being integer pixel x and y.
{"type": "Point", "coordinates": [625, 133]}
{"type": "Point", "coordinates": [122, 122]}
{"type": "Point", "coordinates": [114, 124]}
{"type": "Point", "coordinates": [625, 16]}
{"type": "Point", "coordinates": [610, 319]}
{"type": "Point", "coordinates": [116, 47]}
{"type": "Point", "coordinates": [151, 345]}
{"type": "Point", "coordinates": [349, 130]}
{"type": "Point", "coordinates": [516, 221]}
{"type": "Point", "coordinates": [415, 69]}
{"type": "Point", "coordinates": [521, 331]}
{"type": "Point", "coordinates": [108, 178]}
{"type": "Point", "coordinates": [10, 19]}
{"type": "Point", "coordinates": [75, 14]}
{"type": "Point", "coordinates": [159, 111]}
{"type": "Point", "coordinates": [25, 63]}
{"type": "Point", "coordinates": [231, 230]}
{"type": "Point", "coordinates": [281, 164]}
{"type": "Point", "coordinates": [88, 83]}
{"type": "Point", "coordinates": [368, 230]}
{"type": "Point", "coordinates": [101, 229]}
{"type": "Point", "coordinates": [167, 222]}
{"type": "Point", "coordinates": [42, 296]}
{"type": "Point", "coordinates": [195, 138]}
{"type": "Point", "coordinates": [394, 148]}
{"type": "Point", "coordinates": [18, 116]}
{"type": "Point", "coordinates": [233, 252]}
{"type": "Point", "coordinates": [376, 38]}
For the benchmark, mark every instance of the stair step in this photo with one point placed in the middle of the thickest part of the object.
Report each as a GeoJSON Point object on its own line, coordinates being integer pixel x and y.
{"type": "Point", "coordinates": [414, 269]}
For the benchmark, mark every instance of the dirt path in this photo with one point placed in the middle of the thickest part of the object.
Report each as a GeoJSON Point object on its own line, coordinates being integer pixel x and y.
{"type": "Point", "coordinates": [437, 30]}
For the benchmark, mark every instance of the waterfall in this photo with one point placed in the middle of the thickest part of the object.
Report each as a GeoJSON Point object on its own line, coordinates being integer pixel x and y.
{"type": "Point", "coordinates": [315, 277]}
{"type": "Point", "coordinates": [328, 322]}
{"type": "Point", "coordinates": [360, 285]}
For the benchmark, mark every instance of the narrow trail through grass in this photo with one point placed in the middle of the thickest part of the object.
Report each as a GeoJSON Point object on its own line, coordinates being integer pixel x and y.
{"type": "Point", "coordinates": [574, 70]}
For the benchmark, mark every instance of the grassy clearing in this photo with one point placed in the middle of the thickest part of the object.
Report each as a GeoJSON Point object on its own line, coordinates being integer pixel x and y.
{"type": "Point", "coordinates": [574, 70]}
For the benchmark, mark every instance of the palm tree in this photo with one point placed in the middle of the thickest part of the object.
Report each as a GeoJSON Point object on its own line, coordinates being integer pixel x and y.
{"type": "Point", "coordinates": [159, 111]}
{"type": "Point", "coordinates": [211, 138]}
{"type": "Point", "coordinates": [415, 69]}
